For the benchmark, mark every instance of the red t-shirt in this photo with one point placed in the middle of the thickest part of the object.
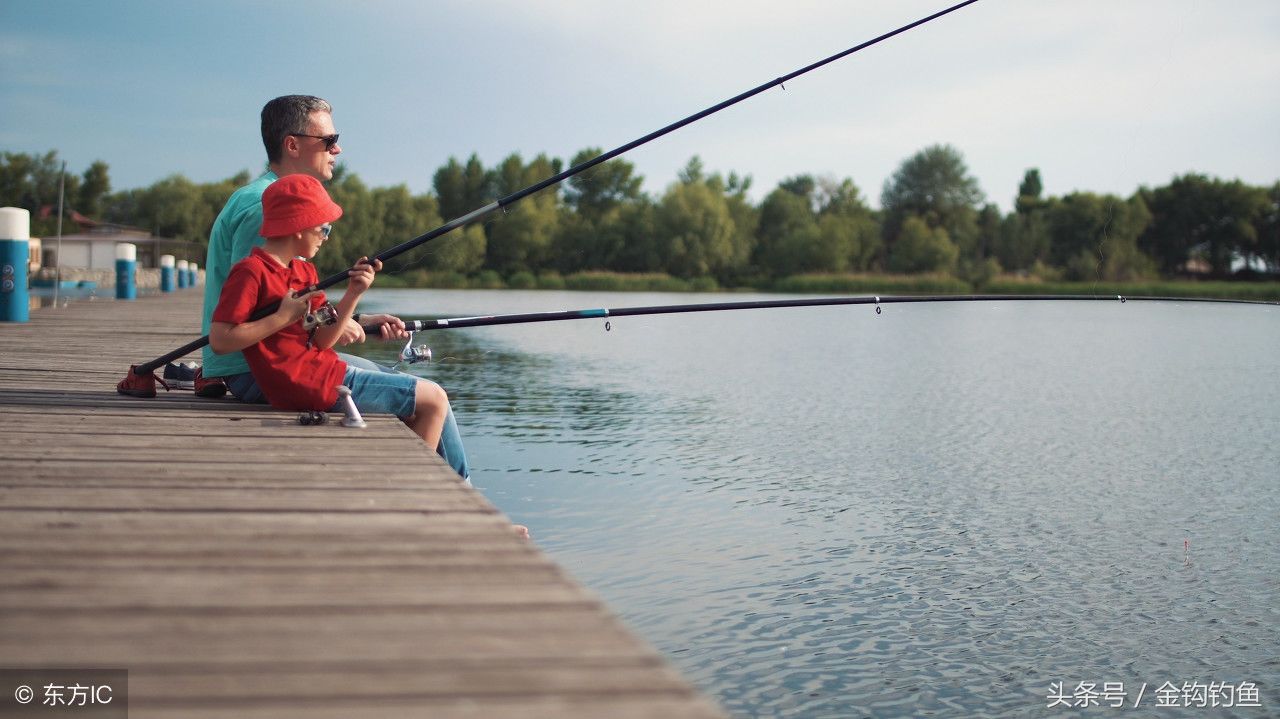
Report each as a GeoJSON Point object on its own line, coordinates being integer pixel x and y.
{"type": "Point", "coordinates": [290, 374]}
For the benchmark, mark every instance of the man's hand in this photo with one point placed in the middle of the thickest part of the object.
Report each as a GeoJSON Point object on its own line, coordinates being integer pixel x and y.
{"type": "Point", "coordinates": [351, 333]}
{"type": "Point", "coordinates": [390, 326]}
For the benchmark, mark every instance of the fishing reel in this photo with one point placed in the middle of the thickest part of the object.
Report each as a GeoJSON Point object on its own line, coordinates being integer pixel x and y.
{"type": "Point", "coordinates": [322, 316]}
{"type": "Point", "coordinates": [312, 417]}
{"type": "Point", "coordinates": [414, 355]}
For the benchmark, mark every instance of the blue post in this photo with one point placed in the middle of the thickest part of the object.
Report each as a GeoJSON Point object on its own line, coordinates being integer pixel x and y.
{"type": "Point", "coordinates": [15, 230]}
{"type": "Point", "coordinates": [167, 270]}
{"type": "Point", "coordinates": [126, 271]}
{"type": "Point", "coordinates": [182, 274]}
{"type": "Point", "coordinates": [194, 269]}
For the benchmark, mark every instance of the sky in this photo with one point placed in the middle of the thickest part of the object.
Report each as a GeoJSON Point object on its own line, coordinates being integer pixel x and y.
{"type": "Point", "coordinates": [1099, 95]}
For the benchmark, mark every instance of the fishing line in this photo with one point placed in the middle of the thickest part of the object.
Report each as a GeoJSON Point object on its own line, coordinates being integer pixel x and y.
{"type": "Point", "coordinates": [147, 368]}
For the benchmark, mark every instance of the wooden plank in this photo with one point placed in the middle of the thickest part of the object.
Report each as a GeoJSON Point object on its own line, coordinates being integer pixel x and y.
{"type": "Point", "coordinates": [304, 527]}
{"type": "Point", "coordinates": [182, 473]}
{"type": "Point", "coordinates": [182, 499]}
{"type": "Point", "coordinates": [526, 636]}
{"type": "Point", "coordinates": [619, 707]}
{"type": "Point", "coordinates": [258, 587]}
{"type": "Point", "coordinates": [547, 678]}
{"type": "Point", "coordinates": [125, 448]}
{"type": "Point", "coordinates": [127, 553]}
{"type": "Point", "coordinates": [179, 431]}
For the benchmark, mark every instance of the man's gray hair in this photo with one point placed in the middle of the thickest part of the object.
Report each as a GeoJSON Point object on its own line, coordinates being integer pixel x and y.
{"type": "Point", "coordinates": [287, 115]}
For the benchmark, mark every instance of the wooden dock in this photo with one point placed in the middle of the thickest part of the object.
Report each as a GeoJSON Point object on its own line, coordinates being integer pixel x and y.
{"type": "Point", "coordinates": [239, 564]}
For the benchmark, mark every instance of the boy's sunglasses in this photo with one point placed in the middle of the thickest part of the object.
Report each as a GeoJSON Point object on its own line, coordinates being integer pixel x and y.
{"type": "Point", "coordinates": [329, 140]}
{"type": "Point", "coordinates": [325, 229]}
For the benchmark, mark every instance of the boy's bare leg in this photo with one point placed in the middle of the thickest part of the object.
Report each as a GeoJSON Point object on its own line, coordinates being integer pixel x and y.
{"type": "Point", "coordinates": [429, 409]}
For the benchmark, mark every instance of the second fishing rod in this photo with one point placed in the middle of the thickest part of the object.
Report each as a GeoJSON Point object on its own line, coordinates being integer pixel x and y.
{"type": "Point", "coordinates": [876, 300]}
{"type": "Point", "coordinates": [147, 368]}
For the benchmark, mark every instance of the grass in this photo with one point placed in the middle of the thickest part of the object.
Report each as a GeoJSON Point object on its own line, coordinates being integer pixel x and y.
{"type": "Point", "coordinates": [872, 284]}
{"type": "Point", "coordinates": [860, 284]}
{"type": "Point", "coordinates": [1256, 291]}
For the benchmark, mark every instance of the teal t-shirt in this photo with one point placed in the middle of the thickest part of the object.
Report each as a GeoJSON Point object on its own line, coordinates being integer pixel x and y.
{"type": "Point", "coordinates": [234, 235]}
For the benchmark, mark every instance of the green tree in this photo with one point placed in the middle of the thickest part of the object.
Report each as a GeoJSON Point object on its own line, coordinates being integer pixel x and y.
{"type": "Point", "coordinates": [1023, 237]}
{"type": "Point", "coordinates": [520, 239]}
{"type": "Point", "coordinates": [1029, 192]}
{"type": "Point", "coordinates": [96, 185]}
{"type": "Point", "coordinates": [844, 217]}
{"type": "Point", "coordinates": [920, 248]}
{"type": "Point", "coordinates": [32, 183]}
{"type": "Point", "coordinates": [696, 228]}
{"type": "Point", "coordinates": [632, 243]}
{"type": "Point", "coordinates": [788, 240]}
{"type": "Point", "coordinates": [1269, 230]}
{"type": "Point", "coordinates": [377, 219]}
{"type": "Point", "coordinates": [401, 217]}
{"type": "Point", "coordinates": [815, 225]}
{"type": "Point", "coordinates": [1095, 236]}
{"type": "Point", "coordinates": [462, 251]}
{"type": "Point", "coordinates": [597, 192]}
{"type": "Point", "coordinates": [175, 207]}
{"type": "Point", "coordinates": [588, 234]}
{"type": "Point", "coordinates": [935, 186]}
{"type": "Point", "coordinates": [980, 267]}
{"type": "Point", "coordinates": [1022, 240]}
{"type": "Point", "coordinates": [462, 188]}
{"type": "Point", "coordinates": [746, 218]}
{"type": "Point", "coordinates": [356, 233]}
{"type": "Point", "coordinates": [1195, 213]}
{"type": "Point", "coordinates": [801, 186]}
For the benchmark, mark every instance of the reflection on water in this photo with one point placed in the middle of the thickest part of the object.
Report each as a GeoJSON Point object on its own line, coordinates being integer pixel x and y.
{"type": "Point", "coordinates": [940, 511]}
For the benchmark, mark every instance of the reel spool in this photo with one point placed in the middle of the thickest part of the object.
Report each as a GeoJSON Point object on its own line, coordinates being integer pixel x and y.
{"type": "Point", "coordinates": [320, 317]}
{"type": "Point", "coordinates": [414, 355]}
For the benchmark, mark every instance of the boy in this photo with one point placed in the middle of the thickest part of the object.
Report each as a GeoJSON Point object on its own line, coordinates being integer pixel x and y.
{"type": "Point", "coordinates": [297, 370]}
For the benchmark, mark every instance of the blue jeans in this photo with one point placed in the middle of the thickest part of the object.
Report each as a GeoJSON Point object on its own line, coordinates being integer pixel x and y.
{"type": "Point", "coordinates": [246, 389]}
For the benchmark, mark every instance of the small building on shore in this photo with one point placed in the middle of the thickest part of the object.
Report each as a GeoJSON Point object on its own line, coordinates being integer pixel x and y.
{"type": "Point", "coordinates": [95, 248]}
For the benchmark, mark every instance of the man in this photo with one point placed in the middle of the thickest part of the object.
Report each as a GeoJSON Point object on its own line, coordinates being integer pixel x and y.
{"type": "Point", "coordinates": [299, 137]}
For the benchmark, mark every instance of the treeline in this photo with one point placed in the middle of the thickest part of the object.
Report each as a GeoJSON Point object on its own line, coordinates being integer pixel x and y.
{"type": "Point", "coordinates": [934, 220]}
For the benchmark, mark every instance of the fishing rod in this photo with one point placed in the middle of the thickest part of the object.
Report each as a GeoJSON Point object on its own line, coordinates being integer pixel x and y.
{"type": "Point", "coordinates": [147, 368]}
{"type": "Point", "coordinates": [421, 353]}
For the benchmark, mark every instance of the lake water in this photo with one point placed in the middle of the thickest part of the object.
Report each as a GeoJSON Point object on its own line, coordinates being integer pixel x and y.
{"type": "Point", "coordinates": [959, 509]}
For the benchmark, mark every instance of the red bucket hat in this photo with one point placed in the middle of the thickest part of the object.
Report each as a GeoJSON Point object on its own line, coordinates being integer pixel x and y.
{"type": "Point", "coordinates": [295, 203]}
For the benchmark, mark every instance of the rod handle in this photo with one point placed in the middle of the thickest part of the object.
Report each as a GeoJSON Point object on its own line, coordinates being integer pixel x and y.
{"type": "Point", "coordinates": [375, 331]}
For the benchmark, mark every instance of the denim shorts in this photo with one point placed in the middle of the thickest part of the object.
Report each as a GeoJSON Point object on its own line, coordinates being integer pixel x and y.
{"type": "Point", "coordinates": [381, 392]}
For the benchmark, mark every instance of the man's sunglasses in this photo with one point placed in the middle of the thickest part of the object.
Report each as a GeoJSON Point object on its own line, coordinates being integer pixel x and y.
{"type": "Point", "coordinates": [329, 140]}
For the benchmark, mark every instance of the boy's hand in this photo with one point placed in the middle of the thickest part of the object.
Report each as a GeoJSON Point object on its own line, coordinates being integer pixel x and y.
{"type": "Point", "coordinates": [361, 276]}
{"type": "Point", "coordinates": [293, 306]}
